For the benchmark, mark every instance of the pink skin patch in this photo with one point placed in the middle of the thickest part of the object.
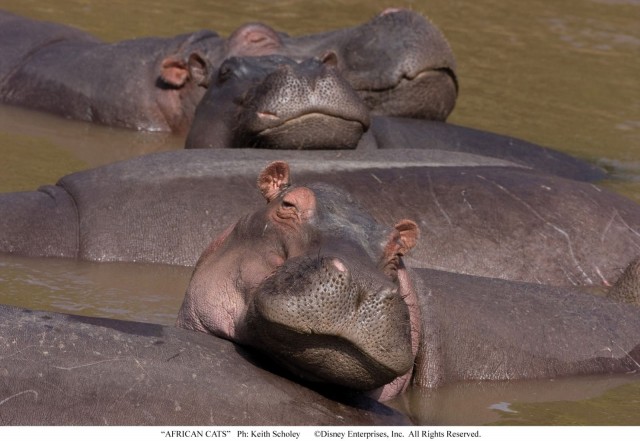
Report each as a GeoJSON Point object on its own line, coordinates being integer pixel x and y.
{"type": "Point", "coordinates": [339, 265]}
{"type": "Point", "coordinates": [400, 384]}
{"type": "Point", "coordinates": [390, 11]}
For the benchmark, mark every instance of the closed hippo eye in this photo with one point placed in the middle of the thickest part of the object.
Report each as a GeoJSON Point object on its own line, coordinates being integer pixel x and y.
{"type": "Point", "coordinates": [287, 210]}
{"type": "Point", "coordinates": [299, 204]}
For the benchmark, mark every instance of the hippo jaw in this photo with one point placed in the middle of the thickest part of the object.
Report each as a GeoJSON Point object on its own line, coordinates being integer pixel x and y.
{"type": "Point", "coordinates": [406, 98]}
{"type": "Point", "coordinates": [400, 64]}
{"type": "Point", "coordinates": [315, 318]}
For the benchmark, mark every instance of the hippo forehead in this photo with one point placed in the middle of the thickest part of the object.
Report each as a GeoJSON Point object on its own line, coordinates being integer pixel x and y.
{"type": "Point", "coordinates": [340, 218]}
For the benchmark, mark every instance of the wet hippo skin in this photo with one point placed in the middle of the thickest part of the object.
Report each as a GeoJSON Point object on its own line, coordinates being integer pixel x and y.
{"type": "Point", "coordinates": [166, 207]}
{"type": "Point", "coordinates": [61, 369]}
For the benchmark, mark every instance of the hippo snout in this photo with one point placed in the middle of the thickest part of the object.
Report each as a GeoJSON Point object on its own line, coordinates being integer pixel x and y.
{"type": "Point", "coordinates": [329, 320]}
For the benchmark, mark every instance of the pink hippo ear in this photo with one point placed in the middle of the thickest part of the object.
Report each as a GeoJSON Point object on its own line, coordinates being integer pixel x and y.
{"type": "Point", "coordinates": [403, 238]}
{"type": "Point", "coordinates": [176, 71]}
{"type": "Point", "coordinates": [273, 179]}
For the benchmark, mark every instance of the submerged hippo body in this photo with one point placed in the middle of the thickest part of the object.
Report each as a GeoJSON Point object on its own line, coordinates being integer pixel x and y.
{"type": "Point", "coordinates": [68, 370]}
{"type": "Point", "coordinates": [313, 281]}
{"type": "Point", "coordinates": [476, 328]}
{"type": "Point", "coordinates": [155, 83]}
{"type": "Point", "coordinates": [145, 84]}
{"type": "Point", "coordinates": [478, 215]}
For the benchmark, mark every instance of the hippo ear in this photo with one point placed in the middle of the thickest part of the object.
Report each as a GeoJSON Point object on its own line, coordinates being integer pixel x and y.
{"type": "Point", "coordinates": [198, 70]}
{"type": "Point", "coordinates": [404, 237]}
{"type": "Point", "coordinates": [176, 72]}
{"type": "Point", "coordinates": [273, 179]}
{"type": "Point", "coordinates": [329, 59]}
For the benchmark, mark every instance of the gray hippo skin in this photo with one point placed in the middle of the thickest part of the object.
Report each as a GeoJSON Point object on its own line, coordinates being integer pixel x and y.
{"type": "Point", "coordinates": [155, 83]}
{"type": "Point", "coordinates": [399, 63]}
{"type": "Point", "coordinates": [313, 278]}
{"type": "Point", "coordinates": [314, 282]}
{"type": "Point", "coordinates": [478, 215]}
{"type": "Point", "coordinates": [61, 369]}
{"type": "Point", "coordinates": [145, 84]}
{"type": "Point", "coordinates": [476, 328]}
{"type": "Point", "coordinates": [275, 102]}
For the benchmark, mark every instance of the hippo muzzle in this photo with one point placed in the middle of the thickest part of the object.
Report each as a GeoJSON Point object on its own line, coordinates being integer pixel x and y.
{"type": "Point", "coordinates": [329, 321]}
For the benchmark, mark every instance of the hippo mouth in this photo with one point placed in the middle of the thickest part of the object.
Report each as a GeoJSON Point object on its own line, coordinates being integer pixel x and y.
{"type": "Point", "coordinates": [429, 94]}
{"type": "Point", "coordinates": [411, 78]}
{"type": "Point", "coordinates": [326, 359]}
{"type": "Point", "coordinates": [314, 318]}
{"type": "Point", "coordinates": [310, 131]}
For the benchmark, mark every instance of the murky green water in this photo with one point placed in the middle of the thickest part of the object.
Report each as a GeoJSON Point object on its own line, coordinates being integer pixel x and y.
{"type": "Point", "coordinates": [563, 74]}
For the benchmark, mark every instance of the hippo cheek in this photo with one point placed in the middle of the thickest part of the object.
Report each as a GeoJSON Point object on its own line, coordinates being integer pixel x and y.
{"type": "Point", "coordinates": [430, 95]}
{"type": "Point", "coordinates": [312, 317]}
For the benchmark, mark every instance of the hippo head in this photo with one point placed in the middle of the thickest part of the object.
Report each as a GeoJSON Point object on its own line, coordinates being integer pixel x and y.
{"type": "Point", "coordinates": [184, 70]}
{"type": "Point", "coordinates": [314, 282]}
{"type": "Point", "coordinates": [399, 63]}
{"type": "Point", "coordinates": [275, 102]}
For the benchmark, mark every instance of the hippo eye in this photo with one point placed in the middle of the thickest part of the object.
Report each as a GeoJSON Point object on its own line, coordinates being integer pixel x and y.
{"type": "Point", "coordinates": [224, 73]}
{"type": "Point", "coordinates": [287, 204]}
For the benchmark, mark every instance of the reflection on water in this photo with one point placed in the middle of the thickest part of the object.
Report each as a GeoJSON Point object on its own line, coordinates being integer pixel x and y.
{"type": "Point", "coordinates": [590, 400]}
{"type": "Point", "coordinates": [562, 74]}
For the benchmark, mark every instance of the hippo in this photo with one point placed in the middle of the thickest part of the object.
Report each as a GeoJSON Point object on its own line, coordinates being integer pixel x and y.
{"type": "Point", "coordinates": [320, 287]}
{"type": "Point", "coordinates": [276, 102]}
{"type": "Point", "coordinates": [55, 68]}
{"type": "Point", "coordinates": [479, 215]}
{"type": "Point", "coordinates": [60, 369]}
{"type": "Point", "coordinates": [145, 84]}
{"type": "Point", "coordinates": [399, 63]}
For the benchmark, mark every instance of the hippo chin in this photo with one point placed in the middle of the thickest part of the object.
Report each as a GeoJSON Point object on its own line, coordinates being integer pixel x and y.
{"type": "Point", "coordinates": [324, 324]}
{"type": "Point", "coordinates": [311, 268]}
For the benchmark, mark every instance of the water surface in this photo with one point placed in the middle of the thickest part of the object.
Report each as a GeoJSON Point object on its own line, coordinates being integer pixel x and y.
{"type": "Point", "coordinates": [562, 74]}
